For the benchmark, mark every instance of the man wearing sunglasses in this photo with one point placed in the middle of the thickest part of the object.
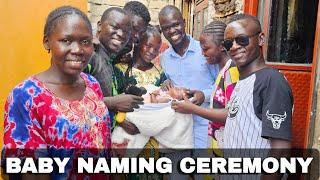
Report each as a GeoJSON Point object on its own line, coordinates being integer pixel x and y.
{"type": "Point", "coordinates": [260, 109]}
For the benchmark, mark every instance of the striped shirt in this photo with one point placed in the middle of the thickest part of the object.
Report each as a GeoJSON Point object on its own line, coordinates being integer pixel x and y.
{"type": "Point", "coordinates": [260, 108]}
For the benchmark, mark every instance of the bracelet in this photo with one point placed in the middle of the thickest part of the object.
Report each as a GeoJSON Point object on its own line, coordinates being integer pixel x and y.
{"type": "Point", "coordinates": [120, 117]}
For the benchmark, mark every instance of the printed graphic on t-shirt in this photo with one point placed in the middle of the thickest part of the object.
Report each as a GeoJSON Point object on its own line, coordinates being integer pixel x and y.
{"type": "Point", "coordinates": [233, 107]}
{"type": "Point", "coordinates": [276, 119]}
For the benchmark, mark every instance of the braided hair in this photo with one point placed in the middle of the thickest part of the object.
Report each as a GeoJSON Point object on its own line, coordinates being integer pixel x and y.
{"type": "Point", "coordinates": [216, 29]}
{"type": "Point", "coordinates": [59, 14]}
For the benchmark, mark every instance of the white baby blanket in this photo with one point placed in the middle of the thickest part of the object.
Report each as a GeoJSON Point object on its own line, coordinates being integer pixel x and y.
{"type": "Point", "coordinates": [171, 129]}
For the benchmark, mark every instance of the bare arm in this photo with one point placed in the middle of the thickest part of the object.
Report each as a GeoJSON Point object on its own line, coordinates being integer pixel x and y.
{"type": "Point", "coordinates": [279, 148]}
{"type": "Point", "coordinates": [187, 107]}
{"type": "Point", "coordinates": [123, 102]}
{"type": "Point", "coordinates": [211, 114]}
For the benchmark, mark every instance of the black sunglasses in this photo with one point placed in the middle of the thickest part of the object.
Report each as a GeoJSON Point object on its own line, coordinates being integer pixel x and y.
{"type": "Point", "coordinates": [242, 40]}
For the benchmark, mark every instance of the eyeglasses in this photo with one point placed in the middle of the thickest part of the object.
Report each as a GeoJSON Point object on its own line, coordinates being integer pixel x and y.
{"type": "Point", "coordinates": [242, 40]}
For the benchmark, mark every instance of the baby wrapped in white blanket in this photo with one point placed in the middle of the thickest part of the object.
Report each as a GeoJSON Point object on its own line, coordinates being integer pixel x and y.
{"type": "Point", "coordinates": [171, 129]}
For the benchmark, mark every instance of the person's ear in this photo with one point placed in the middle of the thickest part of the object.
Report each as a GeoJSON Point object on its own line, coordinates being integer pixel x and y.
{"type": "Point", "coordinates": [261, 39]}
{"type": "Point", "coordinates": [98, 27]}
{"type": "Point", "coordinates": [45, 42]}
{"type": "Point", "coordinates": [222, 48]}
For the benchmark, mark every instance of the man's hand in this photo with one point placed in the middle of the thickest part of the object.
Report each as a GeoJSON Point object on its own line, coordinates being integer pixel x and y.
{"type": "Point", "coordinates": [197, 97]}
{"type": "Point", "coordinates": [166, 85]}
{"type": "Point", "coordinates": [185, 107]}
{"type": "Point", "coordinates": [129, 127]}
{"type": "Point", "coordinates": [123, 102]}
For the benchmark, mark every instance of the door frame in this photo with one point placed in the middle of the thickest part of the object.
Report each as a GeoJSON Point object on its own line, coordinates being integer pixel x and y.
{"type": "Point", "coordinates": [251, 7]}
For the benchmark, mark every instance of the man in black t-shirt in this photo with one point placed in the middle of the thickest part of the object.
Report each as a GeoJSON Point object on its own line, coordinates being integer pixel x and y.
{"type": "Point", "coordinates": [260, 109]}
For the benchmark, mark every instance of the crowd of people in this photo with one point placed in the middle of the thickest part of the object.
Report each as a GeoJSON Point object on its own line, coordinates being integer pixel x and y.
{"type": "Point", "coordinates": [235, 100]}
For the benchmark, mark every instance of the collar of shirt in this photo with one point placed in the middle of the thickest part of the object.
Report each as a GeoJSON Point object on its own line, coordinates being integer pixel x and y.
{"type": "Point", "coordinates": [191, 49]}
{"type": "Point", "coordinates": [103, 51]}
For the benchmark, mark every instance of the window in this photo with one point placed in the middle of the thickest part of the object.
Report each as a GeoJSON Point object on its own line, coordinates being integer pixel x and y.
{"type": "Point", "coordinates": [291, 31]}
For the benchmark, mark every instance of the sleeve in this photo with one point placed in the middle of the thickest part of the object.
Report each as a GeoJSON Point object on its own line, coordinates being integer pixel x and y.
{"type": "Point", "coordinates": [22, 130]}
{"type": "Point", "coordinates": [277, 105]}
{"type": "Point", "coordinates": [163, 65]}
{"type": "Point", "coordinates": [214, 70]}
{"type": "Point", "coordinates": [95, 86]}
{"type": "Point", "coordinates": [207, 93]}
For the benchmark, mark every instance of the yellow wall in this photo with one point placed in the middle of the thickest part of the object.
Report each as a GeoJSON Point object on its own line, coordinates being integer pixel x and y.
{"type": "Point", "coordinates": [21, 50]}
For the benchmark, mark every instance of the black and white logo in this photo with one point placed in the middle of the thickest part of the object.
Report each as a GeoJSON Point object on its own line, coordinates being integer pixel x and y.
{"type": "Point", "coordinates": [233, 107]}
{"type": "Point", "coordinates": [276, 119]}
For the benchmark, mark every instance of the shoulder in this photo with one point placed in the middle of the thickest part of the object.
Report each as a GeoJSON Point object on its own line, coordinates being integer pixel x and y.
{"type": "Point", "coordinates": [29, 86]}
{"type": "Point", "coordinates": [195, 44]}
{"type": "Point", "coordinates": [166, 52]}
{"type": "Point", "coordinates": [270, 75]}
{"type": "Point", "coordinates": [165, 56]}
{"type": "Point", "coordinates": [25, 91]}
{"type": "Point", "coordinates": [272, 81]}
{"type": "Point", "coordinates": [98, 53]}
{"type": "Point", "coordinates": [89, 79]}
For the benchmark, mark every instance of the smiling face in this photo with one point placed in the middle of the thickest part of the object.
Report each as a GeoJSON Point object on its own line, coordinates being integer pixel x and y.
{"type": "Point", "coordinates": [115, 31]}
{"type": "Point", "coordinates": [70, 42]}
{"type": "Point", "coordinates": [150, 47]}
{"type": "Point", "coordinates": [173, 27]}
{"type": "Point", "coordinates": [210, 50]}
{"type": "Point", "coordinates": [244, 56]}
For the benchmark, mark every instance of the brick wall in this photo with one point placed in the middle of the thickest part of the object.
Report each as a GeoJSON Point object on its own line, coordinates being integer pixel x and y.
{"type": "Point", "coordinates": [97, 7]}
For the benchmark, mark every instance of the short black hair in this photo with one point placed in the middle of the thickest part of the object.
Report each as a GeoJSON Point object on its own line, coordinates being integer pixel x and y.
{"type": "Point", "coordinates": [242, 16]}
{"type": "Point", "coordinates": [138, 9]}
{"type": "Point", "coordinates": [60, 13]}
{"type": "Point", "coordinates": [107, 12]}
{"type": "Point", "coordinates": [168, 9]}
{"type": "Point", "coordinates": [216, 29]}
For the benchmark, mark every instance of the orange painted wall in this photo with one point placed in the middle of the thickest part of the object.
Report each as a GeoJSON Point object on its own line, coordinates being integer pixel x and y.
{"type": "Point", "coordinates": [21, 50]}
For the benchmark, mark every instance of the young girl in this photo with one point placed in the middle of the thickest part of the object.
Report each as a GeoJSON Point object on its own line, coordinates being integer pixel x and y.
{"type": "Point", "coordinates": [141, 70]}
{"type": "Point", "coordinates": [142, 73]}
{"type": "Point", "coordinates": [211, 44]}
{"type": "Point", "coordinates": [61, 107]}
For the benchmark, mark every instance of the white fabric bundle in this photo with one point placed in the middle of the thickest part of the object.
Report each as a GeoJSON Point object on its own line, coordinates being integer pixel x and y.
{"type": "Point", "coordinates": [171, 129]}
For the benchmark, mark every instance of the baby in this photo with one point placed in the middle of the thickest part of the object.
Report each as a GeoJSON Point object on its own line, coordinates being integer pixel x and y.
{"type": "Point", "coordinates": [156, 96]}
{"type": "Point", "coordinates": [160, 96]}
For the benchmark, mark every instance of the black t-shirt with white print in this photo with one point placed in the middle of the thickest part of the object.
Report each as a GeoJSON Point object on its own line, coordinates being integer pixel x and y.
{"type": "Point", "coordinates": [260, 108]}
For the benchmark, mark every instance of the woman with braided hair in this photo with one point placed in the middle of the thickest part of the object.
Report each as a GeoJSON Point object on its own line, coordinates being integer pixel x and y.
{"type": "Point", "coordinates": [211, 40]}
